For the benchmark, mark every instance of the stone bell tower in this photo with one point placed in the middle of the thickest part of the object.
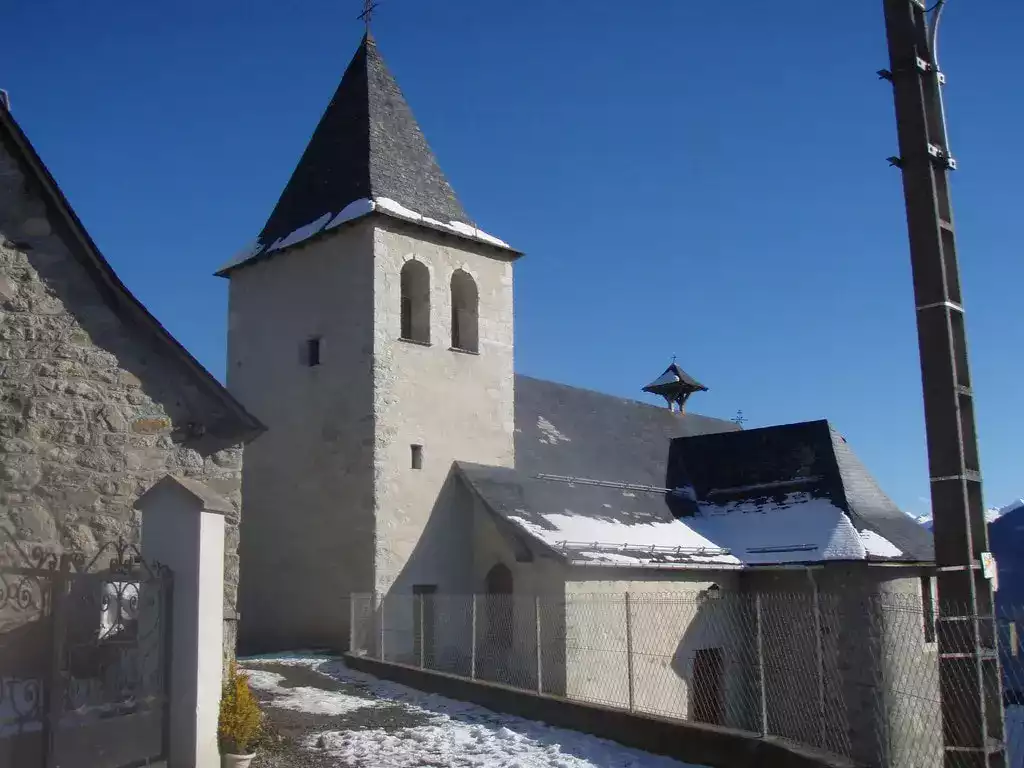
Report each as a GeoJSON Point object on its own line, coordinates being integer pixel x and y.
{"type": "Point", "coordinates": [370, 328]}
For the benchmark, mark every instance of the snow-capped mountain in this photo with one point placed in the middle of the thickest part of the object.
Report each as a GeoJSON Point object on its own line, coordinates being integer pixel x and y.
{"type": "Point", "coordinates": [990, 514]}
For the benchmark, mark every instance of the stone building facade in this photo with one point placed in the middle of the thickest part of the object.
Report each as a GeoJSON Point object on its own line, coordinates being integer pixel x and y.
{"type": "Point", "coordinates": [344, 340]}
{"type": "Point", "coordinates": [371, 327]}
{"type": "Point", "coordinates": [97, 400]}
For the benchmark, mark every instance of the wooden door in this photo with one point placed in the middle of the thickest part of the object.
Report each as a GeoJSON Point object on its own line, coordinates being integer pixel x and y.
{"type": "Point", "coordinates": [707, 686]}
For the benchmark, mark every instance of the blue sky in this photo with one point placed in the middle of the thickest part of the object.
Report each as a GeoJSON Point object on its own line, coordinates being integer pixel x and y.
{"type": "Point", "coordinates": [700, 179]}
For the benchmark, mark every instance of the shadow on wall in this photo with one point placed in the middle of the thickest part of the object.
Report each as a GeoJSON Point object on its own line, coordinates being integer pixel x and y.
{"type": "Point", "coordinates": [441, 614]}
{"type": "Point", "coordinates": [426, 597]}
{"type": "Point", "coordinates": [714, 660]}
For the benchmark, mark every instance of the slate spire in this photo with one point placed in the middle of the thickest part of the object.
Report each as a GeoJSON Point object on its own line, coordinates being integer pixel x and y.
{"type": "Point", "coordinates": [367, 145]}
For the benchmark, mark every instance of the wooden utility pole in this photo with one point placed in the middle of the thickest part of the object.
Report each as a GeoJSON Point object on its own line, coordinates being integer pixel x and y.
{"type": "Point", "coordinates": [969, 679]}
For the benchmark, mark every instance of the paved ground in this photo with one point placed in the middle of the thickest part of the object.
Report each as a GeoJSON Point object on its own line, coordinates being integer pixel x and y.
{"type": "Point", "coordinates": [324, 715]}
{"type": "Point", "coordinates": [292, 729]}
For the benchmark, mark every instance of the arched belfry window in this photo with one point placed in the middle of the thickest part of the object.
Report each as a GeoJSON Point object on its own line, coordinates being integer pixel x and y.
{"type": "Point", "coordinates": [416, 302]}
{"type": "Point", "coordinates": [465, 312]}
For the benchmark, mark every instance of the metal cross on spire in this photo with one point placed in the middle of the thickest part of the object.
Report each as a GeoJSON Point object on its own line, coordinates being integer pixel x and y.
{"type": "Point", "coordinates": [367, 14]}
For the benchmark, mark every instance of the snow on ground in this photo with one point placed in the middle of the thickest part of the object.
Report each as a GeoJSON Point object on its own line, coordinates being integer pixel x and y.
{"type": "Point", "coordinates": [310, 699]}
{"type": "Point", "coordinates": [359, 721]}
{"type": "Point", "coordinates": [453, 743]}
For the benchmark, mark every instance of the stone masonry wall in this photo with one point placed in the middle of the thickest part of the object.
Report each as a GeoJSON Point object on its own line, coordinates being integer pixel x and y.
{"type": "Point", "coordinates": [456, 405]}
{"type": "Point", "coordinates": [93, 408]}
{"type": "Point", "coordinates": [307, 542]}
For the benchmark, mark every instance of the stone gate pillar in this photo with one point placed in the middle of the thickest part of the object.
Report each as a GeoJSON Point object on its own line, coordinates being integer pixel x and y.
{"type": "Point", "coordinates": [183, 529]}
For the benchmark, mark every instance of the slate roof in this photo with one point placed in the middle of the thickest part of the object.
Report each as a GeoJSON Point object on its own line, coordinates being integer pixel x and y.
{"type": "Point", "coordinates": [367, 145]}
{"type": "Point", "coordinates": [758, 465]}
{"type": "Point", "coordinates": [564, 431]}
{"type": "Point", "coordinates": [232, 421]}
{"type": "Point", "coordinates": [567, 430]}
{"type": "Point", "coordinates": [605, 481]}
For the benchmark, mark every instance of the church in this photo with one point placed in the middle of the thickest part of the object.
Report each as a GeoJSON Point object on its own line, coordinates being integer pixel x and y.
{"type": "Point", "coordinates": [371, 331]}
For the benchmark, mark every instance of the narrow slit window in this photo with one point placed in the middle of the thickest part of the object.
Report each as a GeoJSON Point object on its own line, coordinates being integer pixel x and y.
{"type": "Point", "coordinates": [417, 456]}
{"type": "Point", "coordinates": [313, 351]}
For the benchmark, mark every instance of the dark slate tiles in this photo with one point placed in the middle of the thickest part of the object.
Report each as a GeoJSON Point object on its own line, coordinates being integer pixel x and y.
{"type": "Point", "coordinates": [366, 145]}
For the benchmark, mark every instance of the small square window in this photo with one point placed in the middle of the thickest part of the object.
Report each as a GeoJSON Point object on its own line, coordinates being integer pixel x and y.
{"type": "Point", "coordinates": [417, 456]}
{"type": "Point", "coordinates": [313, 351]}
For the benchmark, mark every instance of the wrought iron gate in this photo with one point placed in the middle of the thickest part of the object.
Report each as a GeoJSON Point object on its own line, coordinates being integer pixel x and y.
{"type": "Point", "coordinates": [84, 657]}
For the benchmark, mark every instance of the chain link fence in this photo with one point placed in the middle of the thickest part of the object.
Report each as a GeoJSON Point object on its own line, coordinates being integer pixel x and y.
{"type": "Point", "coordinates": [855, 677]}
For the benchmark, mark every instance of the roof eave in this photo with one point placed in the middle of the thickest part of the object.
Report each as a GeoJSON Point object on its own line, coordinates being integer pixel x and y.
{"type": "Point", "coordinates": [507, 252]}
{"type": "Point", "coordinates": [541, 544]}
{"type": "Point", "coordinates": [660, 566]}
{"type": "Point", "coordinates": [248, 426]}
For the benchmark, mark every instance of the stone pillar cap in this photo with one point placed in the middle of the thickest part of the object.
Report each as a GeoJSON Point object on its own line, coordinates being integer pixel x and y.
{"type": "Point", "coordinates": [209, 501]}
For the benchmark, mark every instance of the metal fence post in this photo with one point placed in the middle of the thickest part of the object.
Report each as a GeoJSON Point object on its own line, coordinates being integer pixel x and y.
{"type": "Point", "coordinates": [472, 642]}
{"type": "Point", "coordinates": [540, 666]}
{"type": "Point", "coordinates": [629, 652]}
{"type": "Point", "coordinates": [381, 612]}
{"type": "Point", "coordinates": [166, 576]}
{"type": "Point", "coordinates": [351, 622]}
{"type": "Point", "coordinates": [760, 666]}
{"type": "Point", "coordinates": [53, 691]}
{"type": "Point", "coordinates": [420, 630]}
{"type": "Point", "coordinates": [820, 658]}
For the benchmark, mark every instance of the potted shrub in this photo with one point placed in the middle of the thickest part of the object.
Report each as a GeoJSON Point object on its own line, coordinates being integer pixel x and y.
{"type": "Point", "coordinates": [241, 722]}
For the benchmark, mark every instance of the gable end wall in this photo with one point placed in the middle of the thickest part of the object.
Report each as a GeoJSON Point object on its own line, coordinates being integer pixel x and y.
{"type": "Point", "coordinates": [93, 410]}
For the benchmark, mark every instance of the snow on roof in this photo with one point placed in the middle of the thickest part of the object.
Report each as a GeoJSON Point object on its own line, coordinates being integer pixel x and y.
{"type": "Point", "coordinates": [355, 210]}
{"type": "Point", "coordinates": [799, 528]}
{"type": "Point", "coordinates": [612, 541]}
{"type": "Point", "coordinates": [877, 546]}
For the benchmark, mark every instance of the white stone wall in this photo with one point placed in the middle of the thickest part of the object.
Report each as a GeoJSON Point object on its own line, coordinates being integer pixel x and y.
{"type": "Point", "coordinates": [668, 626]}
{"type": "Point", "coordinates": [867, 685]}
{"type": "Point", "coordinates": [536, 577]}
{"type": "Point", "coordinates": [456, 405]}
{"type": "Point", "coordinates": [308, 540]}
{"type": "Point", "coordinates": [333, 505]}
